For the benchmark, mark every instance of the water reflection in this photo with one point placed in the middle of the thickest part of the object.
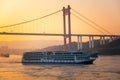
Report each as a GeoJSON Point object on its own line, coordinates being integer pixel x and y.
{"type": "Point", "coordinates": [104, 68]}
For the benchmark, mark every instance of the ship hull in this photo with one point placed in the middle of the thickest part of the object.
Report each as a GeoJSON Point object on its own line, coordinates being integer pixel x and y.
{"type": "Point", "coordinates": [86, 62]}
{"type": "Point", "coordinates": [57, 62]}
{"type": "Point", "coordinates": [59, 58]}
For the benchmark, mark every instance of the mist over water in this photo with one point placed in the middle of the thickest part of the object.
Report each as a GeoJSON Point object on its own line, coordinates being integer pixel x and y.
{"type": "Point", "coordinates": [104, 68]}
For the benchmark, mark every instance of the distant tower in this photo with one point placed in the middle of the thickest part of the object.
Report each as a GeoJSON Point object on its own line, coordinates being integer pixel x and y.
{"type": "Point", "coordinates": [66, 12]}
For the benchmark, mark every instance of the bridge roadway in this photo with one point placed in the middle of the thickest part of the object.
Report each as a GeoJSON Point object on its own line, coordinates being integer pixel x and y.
{"type": "Point", "coordinates": [51, 34]}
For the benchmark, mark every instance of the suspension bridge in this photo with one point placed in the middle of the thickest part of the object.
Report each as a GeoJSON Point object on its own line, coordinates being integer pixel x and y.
{"type": "Point", "coordinates": [67, 35]}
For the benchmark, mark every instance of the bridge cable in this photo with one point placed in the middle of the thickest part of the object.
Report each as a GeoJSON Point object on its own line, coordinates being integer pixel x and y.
{"type": "Point", "coordinates": [24, 22]}
{"type": "Point", "coordinates": [87, 23]}
{"type": "Point", "coordinates": [91, 21]}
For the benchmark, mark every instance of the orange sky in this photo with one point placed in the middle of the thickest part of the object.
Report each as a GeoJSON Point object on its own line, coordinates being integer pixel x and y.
{"type": "Point", "coordinates": [104, 12]}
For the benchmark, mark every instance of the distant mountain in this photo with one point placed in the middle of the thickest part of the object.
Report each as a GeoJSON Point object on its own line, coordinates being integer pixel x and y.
{"type": "Point", "coordinates": [115, 43]}
{"type": "Point", "coordinates": [73, 46]}
{"type": "Point", "coordinates": [110, 48]}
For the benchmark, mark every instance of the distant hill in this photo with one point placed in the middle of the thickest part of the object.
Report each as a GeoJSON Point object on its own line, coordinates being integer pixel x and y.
{"type": "Point", "coordinates": [115, 43]}
{"type": "Point", "coordinates": [110, 48]}
{"type": "Point", "coordinates": [73, 45]}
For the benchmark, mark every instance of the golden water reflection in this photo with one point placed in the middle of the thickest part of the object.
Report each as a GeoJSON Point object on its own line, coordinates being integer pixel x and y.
{"type": "Point", "coordinates": [104, 68]}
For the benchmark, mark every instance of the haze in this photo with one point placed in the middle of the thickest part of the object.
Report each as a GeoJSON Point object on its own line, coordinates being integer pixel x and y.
{"type": "Point", "coordinates": [104, 12]}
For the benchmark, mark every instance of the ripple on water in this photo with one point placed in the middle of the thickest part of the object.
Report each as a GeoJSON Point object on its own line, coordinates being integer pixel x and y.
{"type": "Point", "coordinates": [104, 68]}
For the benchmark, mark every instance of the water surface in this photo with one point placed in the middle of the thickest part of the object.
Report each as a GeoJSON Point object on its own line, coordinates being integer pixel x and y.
{"type": "Point", "coordinates": [104, 68]}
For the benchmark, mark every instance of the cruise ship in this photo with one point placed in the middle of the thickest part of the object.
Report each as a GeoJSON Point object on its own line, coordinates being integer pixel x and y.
{"type": "Point", "coordinates": [74, 57]}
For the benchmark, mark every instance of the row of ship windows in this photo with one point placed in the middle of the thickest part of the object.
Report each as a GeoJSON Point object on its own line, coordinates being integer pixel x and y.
{"type": "Point", "coordinates": [33, 57]}
{"type": "Point", "coordinates": [50, 56]}
{"type": "Point", "coordinates": [63, 59]}
{"type": "Point", "coordinates": [52, 59]}
{"type": "Point", "coordinates": [53, 54]}
{"type": "Point", "coordinates": [32, 54]}
{"type": "Point", "coordinates": [55, 57]}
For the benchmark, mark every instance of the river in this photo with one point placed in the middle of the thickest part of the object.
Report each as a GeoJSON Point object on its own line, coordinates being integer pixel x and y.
{"type": "Point", "coordinates": [104, 68]}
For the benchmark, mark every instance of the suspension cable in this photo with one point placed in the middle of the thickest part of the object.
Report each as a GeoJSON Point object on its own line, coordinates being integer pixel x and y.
{"type": "Point", "coordinates": [24, 22]}
{"type": "Point", "coordinates": [92, 21]}
{"type": "Point", "coordinates": [87, 23]}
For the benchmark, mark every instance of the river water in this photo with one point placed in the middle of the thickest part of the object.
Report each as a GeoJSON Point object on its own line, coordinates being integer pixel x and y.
{"type": "Point", "coordinates": [104, 68]}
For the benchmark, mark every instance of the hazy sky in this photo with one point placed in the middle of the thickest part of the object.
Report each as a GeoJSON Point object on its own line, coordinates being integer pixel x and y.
{"type": "Point", "coordinates": [104, 12]}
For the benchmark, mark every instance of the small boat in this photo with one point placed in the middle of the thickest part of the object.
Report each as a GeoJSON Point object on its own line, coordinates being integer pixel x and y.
{"type": "Point", "coordinates": [73, 57]}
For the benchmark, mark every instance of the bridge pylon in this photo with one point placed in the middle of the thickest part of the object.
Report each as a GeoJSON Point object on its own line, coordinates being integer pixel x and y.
{"type": "Point", "coordinates": [66, 12]}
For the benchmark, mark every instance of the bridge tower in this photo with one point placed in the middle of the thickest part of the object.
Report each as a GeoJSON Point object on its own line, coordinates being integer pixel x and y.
{"type": "Point", "coordinates": [66, 12]}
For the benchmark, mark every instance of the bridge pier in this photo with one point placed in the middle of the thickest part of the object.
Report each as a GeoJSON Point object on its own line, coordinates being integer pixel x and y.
{"type": "Point", "coordinates": [111, 39]}
{"type": "Point", "coordinates": [91, 42]}
{"type": "Point", "coordinates": [80, 46]}
{"type": "Point", "coordinates": [78, 42]}
{"type": "Point", "coordinates": [102, 40]}
{"type": "Point", "coordinates": [90, 45]}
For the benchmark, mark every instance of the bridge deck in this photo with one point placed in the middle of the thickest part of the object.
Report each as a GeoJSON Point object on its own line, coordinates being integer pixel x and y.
{"type": "Point", "coordinates": [51, 34]}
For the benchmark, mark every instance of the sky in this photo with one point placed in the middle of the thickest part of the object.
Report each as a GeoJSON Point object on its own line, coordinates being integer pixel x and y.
{"type": "Point", "coordinates": [106, 13]}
